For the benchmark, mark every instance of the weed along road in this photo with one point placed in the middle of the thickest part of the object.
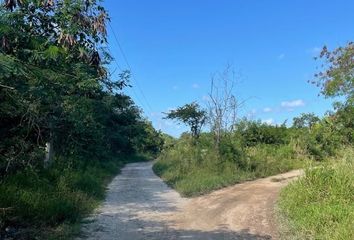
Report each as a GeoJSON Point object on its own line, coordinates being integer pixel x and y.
{"type": "Point", "coordinates": [139, 205]}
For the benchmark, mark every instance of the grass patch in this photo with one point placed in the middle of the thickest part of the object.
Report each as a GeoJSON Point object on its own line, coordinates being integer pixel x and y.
{"type": "Point", "coordinates": [320, 205]}
{"type": "Point", "coordinates": [49, 204]}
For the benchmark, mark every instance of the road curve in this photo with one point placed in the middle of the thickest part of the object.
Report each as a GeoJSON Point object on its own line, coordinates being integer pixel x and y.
{"type": "Point", "coordinates": [140, 206]}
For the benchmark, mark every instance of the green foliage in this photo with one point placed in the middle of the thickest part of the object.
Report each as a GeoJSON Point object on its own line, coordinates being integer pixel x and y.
{"type": "Point", "coordinates": [256, 132]}
{"type": "Point", "coordinates": [58, 195]}
{"type": "Point", "coordinates": [199, 168]}
{"type": "Point", "coordinates": [320, 205]}
{"type": "Point", "coordinates": [323, 139]}
{"type": "Point", "coordinates": [343, 119]}
{"type": "Point", "coordinates": [252, 150]}
{"type": "Point", "coordinates": [55, 90]}
{"type": "Point", "coordinates": [337, 79]}
{"type": "Point", "coordinates": [305, 120]}
{"type": "Point", "coordinates": [191, 115]}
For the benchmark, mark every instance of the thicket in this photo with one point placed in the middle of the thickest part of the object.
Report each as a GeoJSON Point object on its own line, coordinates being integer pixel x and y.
{"type": "Point", "coordinates": [65, 125]}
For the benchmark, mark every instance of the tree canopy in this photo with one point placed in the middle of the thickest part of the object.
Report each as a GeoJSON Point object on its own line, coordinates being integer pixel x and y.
{"type": "Point", "coordinates": [190, 114]}
{"type": "Point", "coordinates": [55, 89]}
{"type": "Point", "coordinates": [305, 120]}
{"type": "Point", "coordinates": [337, 76]}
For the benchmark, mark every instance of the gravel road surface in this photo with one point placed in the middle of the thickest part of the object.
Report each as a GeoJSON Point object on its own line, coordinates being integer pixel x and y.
{"type": "Point", "coordinates": [140, 206]}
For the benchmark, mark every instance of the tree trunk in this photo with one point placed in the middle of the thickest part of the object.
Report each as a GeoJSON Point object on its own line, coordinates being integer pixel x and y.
{"type": "Point", "coordinates": [49, 148]}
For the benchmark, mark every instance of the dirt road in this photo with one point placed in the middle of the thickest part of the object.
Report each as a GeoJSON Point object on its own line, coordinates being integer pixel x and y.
{"type": "Point", "coordinates": [139, 206]}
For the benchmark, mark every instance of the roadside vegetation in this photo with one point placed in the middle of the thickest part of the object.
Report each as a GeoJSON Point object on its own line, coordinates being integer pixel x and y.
{"type": "Point", "coordinates": [252, 150]}
{"type": "Point", "coordinates": [66, 127]}
{"type": "Point", "coordinates": [320, 204]}
{"type": "Point", "coordinates": [50, 203]}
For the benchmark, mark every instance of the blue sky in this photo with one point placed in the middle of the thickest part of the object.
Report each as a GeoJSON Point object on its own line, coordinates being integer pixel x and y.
{"type": "Point", "coordinates": [174, 46]}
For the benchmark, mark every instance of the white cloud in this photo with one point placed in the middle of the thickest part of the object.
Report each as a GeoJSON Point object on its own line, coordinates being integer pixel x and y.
{"type": "Point", "coordinates": [269, 121]}
{"type": "Point", "coordinates": [281, 56]}
{"type": "Point", "coordinates": [293, 103]}
{"type": "Point", "coordinates": [175, 87]}
{"type": "Point", "coordinates": [195, 85]}
{"type": "Point", "coordinates": [206, 98]}
{"type": "Point", "coordinates": [267, 109]}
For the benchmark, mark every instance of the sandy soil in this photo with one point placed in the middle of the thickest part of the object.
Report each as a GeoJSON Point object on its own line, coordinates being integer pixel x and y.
{"type": "Point", "coordinates": [140, 206]}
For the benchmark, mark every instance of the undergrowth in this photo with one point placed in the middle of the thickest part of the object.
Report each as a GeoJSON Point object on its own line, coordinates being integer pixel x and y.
{"type": "Point", "coordinates": [198, 169]}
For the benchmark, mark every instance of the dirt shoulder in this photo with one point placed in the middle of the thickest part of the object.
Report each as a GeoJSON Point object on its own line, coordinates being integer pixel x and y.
{"type": "Point", "coordinates": [139, 205]}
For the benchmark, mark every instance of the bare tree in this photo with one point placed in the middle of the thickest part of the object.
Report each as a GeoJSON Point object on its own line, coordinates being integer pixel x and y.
{"type": "Point", "coordinates": [222, 103]}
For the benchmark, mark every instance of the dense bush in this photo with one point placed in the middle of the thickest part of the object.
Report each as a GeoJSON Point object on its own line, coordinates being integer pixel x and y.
{"type": "Point", "coordinates": [256, 132]}
{"type": "Point", "coordinates": [323, 139]}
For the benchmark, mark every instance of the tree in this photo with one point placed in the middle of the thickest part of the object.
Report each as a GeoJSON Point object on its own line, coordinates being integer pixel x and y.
{"type": "Point", "coordinates": [337, 80]}
{"type": "Point", "coordinates": [337, 76]}
{"type": "Point", "coordinates": [190, 114]}
{"type": "Point", "coordinates": [53, 80]}
{"type": "Point", "coordinates": [222, 104]}
{"type": "Point", "coordinates": [305, 120]}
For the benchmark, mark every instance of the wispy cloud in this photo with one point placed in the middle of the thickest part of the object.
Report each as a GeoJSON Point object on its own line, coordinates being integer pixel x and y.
{"type": "Point", "coordinates": [175, 87]}
{"type": "Point", "coordinates": [267, 109]}
{"type": "Point", "coordinates": [252, 113]}
{"type": "Point", "coordinates": [293, 103]}
{"type": "Point", "coordinates": [195, 86]}
{"type": "Point", "coordinates": [281, 56]}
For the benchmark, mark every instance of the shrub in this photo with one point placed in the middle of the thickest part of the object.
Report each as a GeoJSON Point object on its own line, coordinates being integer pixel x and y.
{"type": "Point", "coordinates": [256, 132]}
